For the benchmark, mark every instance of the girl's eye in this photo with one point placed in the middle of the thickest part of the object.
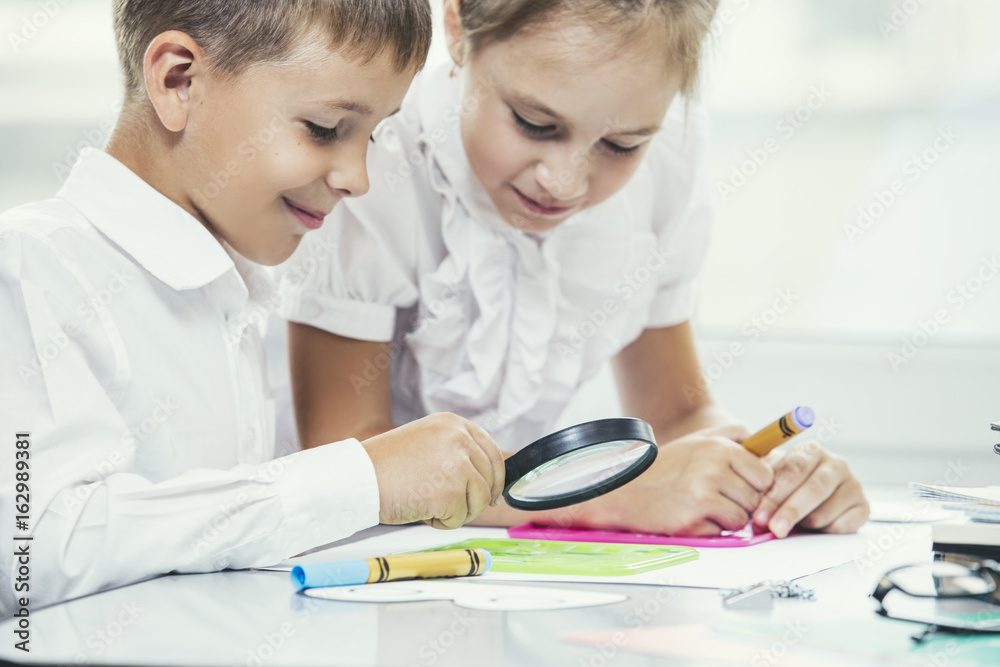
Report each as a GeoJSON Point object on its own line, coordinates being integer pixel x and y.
{"type": "Point", "coordinates": [618, 149]}
{"type": "Point", "coordinates": [321, 134]}
{"type": "Point", "coordinates": [531, 128]}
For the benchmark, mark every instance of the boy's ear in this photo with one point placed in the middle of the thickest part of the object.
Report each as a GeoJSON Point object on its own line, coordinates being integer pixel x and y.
{"type": "Point", "coordinates": [453, 31]}
{"type": "Point", "coordinates": [173, 66]}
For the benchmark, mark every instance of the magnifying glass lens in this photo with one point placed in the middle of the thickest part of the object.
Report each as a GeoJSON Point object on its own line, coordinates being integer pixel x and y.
{"type": "Point", "coordinates": [578, 470]}
{"type": "Point", "coordinates": [578, 463]}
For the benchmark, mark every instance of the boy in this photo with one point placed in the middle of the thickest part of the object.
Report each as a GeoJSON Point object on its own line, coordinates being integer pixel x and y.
{"type": "Point", "coordinates": [134, 401]}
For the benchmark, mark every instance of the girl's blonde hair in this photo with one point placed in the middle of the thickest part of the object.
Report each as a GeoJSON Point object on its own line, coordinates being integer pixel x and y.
{"type": "Point", "coordinates": [236, 34]}
{"type": "Point", "coordinates": [685, 23]}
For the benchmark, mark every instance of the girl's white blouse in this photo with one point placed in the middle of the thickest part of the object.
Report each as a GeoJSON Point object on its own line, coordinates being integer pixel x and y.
{"type": "Point", "coordinates": [485, 320]}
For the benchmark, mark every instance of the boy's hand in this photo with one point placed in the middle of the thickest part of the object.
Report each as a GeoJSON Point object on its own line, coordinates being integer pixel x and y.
{"type": "Point", "coordinates": [700, 484]}
{"type": "Point", "coordinates": [442, 469]}
{"type": "Point", "coordinates": [813, 489]}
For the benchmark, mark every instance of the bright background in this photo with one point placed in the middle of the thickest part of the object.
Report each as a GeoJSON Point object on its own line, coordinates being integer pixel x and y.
{"type": "Point", "coordinates": [897, 73]}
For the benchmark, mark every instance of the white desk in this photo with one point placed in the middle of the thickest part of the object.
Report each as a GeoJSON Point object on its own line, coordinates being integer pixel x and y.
{"type": "Point", "coordinates": [254, 618]}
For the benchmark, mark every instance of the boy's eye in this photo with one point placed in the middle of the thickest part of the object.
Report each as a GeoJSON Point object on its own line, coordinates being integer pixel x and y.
{"type": "Point", "coordinates": [531, 128]}
{"type": "Point", "coordinates": [322, 134]}
{"type": "Point", "coordinates": [618, 149]}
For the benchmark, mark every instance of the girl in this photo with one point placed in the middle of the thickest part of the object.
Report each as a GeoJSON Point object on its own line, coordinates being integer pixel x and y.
{"type": "Point", "coordinates": [536, 211]}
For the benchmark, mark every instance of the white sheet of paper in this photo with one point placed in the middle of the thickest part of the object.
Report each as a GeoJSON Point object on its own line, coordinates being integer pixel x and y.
{"type": "Point", "coordinates": [985, 495]}
{"type": "Point", "coordinates": [777, 560]}
{"type": "Point", "coordinates": [488, 597]}
{"type": "Point", "coordinates": [909, 512]}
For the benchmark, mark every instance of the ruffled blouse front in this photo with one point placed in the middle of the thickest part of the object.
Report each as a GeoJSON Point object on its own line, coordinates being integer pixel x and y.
{"type": "Point", "coordinates": [483, 319]}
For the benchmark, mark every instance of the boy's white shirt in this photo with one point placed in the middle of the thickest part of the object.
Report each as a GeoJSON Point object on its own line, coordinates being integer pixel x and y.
{"type": "Point", "coordinates": [132, 355]}
{"type": "Point", "coordinates": [497, 325]}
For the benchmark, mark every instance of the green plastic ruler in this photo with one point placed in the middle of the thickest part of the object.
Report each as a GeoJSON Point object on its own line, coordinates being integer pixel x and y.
{"type": "Point", "coordinates": [597, 559]}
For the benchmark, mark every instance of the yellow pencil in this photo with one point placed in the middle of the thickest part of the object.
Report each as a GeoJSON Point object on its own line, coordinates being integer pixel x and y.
{"type": "Point", "coordinates": [779, 432]}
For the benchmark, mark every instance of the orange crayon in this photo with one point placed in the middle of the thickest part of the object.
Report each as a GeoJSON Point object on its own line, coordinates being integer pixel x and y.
{"type": "Point", "coordinates": [424, 565]}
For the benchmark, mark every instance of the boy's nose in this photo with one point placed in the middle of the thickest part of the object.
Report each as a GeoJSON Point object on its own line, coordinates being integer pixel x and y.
{"type": "Point", "coordinates": [349, 177]}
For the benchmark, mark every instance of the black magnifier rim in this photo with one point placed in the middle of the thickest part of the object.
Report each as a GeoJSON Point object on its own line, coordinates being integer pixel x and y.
{"type": "Point", "coordinates": [571, 439]}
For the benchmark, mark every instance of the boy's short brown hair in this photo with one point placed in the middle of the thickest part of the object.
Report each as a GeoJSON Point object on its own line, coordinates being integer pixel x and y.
{"type": "Point", "coordinates": [237, 34]}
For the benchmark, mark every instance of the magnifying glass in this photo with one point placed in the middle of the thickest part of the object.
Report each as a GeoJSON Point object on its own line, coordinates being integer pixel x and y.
{"type": "Point", "coordinates": [579, 463]}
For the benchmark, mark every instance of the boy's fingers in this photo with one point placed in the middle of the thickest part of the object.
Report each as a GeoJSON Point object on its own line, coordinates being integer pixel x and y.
{"type": "Point", "coordinates": [479, 458]}
{"type": "Point", "coordinates": [496, 459]}
{"type": "Point", "coordinates": [477, 498]}
{"type": "Point", "coordinates": [453, 517]}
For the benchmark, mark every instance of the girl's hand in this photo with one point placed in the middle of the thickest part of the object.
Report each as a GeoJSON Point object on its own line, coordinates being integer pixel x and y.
{"type": "Point", "coordinates": [442, 469]}
{"type": "Point", "coordinates": [813, 489]}
{"type": "Point", "coordinates": [700, 484]}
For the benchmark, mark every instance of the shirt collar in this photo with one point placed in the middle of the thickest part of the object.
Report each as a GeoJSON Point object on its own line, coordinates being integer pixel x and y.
{"type": "Point", "coordinates": [158, 234]}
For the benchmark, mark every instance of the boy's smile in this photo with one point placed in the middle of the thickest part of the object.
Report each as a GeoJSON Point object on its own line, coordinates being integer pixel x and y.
{"type": "Point", "coordinates": [262, 157]}
{"type": "Point", "coordinates": [310, 217]}
{"type": "Point", "coordinates": [321, 110]}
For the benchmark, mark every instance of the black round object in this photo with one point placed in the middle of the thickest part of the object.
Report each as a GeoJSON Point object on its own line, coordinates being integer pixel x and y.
{"type": "Point", "coordinates": [576, 438]}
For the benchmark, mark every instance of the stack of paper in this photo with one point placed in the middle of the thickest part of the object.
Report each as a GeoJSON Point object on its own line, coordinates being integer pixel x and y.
{"type": "Point", "coordinates": [978, 503]}
{"type": "Point", "coordinates": [976, 535]}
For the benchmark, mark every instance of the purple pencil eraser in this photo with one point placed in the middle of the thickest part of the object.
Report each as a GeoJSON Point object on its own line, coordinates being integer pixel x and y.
{"type": "Point", "coordinates": [803, 417]}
